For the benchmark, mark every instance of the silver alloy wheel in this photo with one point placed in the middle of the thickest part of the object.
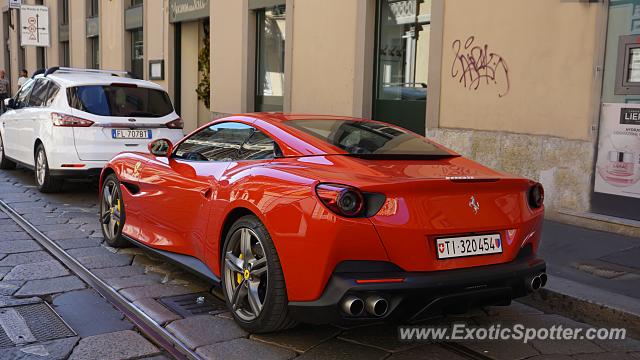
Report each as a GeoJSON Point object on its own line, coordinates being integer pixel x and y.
{"type": "Point", "coordinates": [111, 209]}
{"type": "Point", "coordinates": [41, 167]}
{"type": "Point", "coordinates": [245, 274]}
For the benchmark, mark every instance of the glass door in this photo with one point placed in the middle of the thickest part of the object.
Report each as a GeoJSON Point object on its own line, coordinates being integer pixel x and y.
{"type": "Point", "coordinates": [270, 58]}
{"type": "Point", "coordinates": [401, 64]}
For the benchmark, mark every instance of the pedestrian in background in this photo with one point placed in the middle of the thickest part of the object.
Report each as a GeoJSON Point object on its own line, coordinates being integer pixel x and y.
{"type": "Point", "coordinates": [4, 90]}
{"type": "Point", "coordinates": [24, 76]}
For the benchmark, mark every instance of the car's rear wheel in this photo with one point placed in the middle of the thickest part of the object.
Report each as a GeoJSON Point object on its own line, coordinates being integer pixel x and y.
{"type": "Point", "coordinates": [253, 282]}
{"type": "Point", "coordinates": [5, 163]}
{"type": "Point", "coordinates": [112, 214]}
{"type": "Point", "coordinates": [46, 183]}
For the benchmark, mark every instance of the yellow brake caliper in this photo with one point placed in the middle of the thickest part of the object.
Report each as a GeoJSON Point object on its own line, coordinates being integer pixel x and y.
{"type": "Point", "coordinates": [119, 212]}
{"type": "Point", "coordinates": [239, 275]}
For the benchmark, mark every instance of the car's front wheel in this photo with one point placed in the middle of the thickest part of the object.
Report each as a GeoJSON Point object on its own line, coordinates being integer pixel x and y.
{"type": "Point", "coordinates": [112, 215]}
{"type": "Point", "coordinates": [5, 163]}
{"type": "Point", "coordinates": [46, 183]}
{"type": "Point", "coordinates": [253, 282]}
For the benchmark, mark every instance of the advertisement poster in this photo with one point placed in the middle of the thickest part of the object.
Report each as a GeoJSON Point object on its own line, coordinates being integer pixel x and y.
{"type": "Point", "coordinates": [34, 25]}
{"type": "Point", "coordinates": [618, 164]}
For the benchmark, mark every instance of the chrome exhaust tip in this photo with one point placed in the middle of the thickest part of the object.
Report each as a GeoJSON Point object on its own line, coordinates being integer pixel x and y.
{"type": "Point", "coordinates": [353, 305]}
{"type": "Point", "coordinates": [377, 306]}
{"type": "Point", "coordinates": [543, 279]}
{"type": "Point", "coordinates": [534, 282]}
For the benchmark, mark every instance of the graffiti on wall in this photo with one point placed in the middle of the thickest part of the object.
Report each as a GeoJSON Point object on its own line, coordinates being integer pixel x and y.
{"type": "Point", "coordinates": [475, 66]}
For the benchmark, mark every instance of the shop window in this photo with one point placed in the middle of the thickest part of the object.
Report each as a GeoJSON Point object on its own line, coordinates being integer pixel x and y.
{"type": "Point", "coordinates": [402, 53]}
{"type": "Point", "coordinates": [64, 11]}
{"type": "Point", "coordinates": [64, 53]}
{"type": "Point", "coordinates": [93, 8]}
{"type": "Point", "coordinates": [628, 71]}
{"type": "Point", "coordinates": [137, 55]}
{"type": "Point", "coordinates": [94, 52]}
{"type": "Point", "coordinates": [270, 50]}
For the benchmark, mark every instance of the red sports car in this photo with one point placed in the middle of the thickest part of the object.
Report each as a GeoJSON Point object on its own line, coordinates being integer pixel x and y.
{"type": "Point", "coordinates": [326, 219]}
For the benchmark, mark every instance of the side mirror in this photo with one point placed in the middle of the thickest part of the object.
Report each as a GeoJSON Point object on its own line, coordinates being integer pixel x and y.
{"type": "Point", "coordinates": [161, 147]}
{"type": "Point", "coordinates": [8, 103]}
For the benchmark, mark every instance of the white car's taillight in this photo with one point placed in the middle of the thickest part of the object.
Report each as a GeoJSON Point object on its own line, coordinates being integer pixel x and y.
{"type": "Point", "coordinates": [69, 121]}
{"type": "Point", "coordinates": [175, 124]}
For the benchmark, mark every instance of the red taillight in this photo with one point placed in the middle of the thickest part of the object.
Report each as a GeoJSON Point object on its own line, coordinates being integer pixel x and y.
{"type": "Point", "coordinates": [175, 124]}
{"type": "Point", "coordinates": [69, 121]}
{"type": "Point", "coordinates": [342, 199]}
{"type": "Point", "coordinates": [536, 196]}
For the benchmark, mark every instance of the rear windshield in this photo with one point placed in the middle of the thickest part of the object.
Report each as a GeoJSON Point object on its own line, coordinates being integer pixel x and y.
{"type": "Point", "coordinates": [369, 139]}
{"type": "Point", "coordinates": [120, 100]}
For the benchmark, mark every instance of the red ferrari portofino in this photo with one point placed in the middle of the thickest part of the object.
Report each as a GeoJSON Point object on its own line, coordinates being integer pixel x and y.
{"type": "Point", "coordinates": [328, 219]}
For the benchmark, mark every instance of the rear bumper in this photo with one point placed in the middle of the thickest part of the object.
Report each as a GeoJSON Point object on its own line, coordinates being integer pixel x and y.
{"type": "Point", "coordinates": [76, 173]}
{"type": "Point", "coordinates": [421, 295]}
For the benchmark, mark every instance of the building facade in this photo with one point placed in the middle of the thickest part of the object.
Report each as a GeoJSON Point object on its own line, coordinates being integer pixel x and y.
{"type": "Point", "coordinates": [518, 85]}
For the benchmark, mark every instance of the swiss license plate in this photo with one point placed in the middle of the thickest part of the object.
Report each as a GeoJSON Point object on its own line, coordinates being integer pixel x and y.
{"type": "Point", "coordinates": [468, 246]}
{"type": "Point", "coordinates": [130, 134]}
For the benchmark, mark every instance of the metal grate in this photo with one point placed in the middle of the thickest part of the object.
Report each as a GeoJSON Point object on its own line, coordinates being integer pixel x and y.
{"type": "Point", "coordinates": [194, 304]}
{"type": "Point", "coordinates": [31, 323]}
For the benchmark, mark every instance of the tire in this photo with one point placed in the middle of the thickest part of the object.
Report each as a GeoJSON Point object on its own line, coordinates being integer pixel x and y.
{"type": "Point", "coordinates": [45, 182]}
{"type": "Point", "coordinates": [112, 212]}
{"type": "Point", "coordinates": [5, 164]}
{"type": "Point", "coordinates": [265, 271]}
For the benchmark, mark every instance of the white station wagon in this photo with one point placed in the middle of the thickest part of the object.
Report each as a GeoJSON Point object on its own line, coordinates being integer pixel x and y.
{"type": "Point", "coordinates": [69, 122]}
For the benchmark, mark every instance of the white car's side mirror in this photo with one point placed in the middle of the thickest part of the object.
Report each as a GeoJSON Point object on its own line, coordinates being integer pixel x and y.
{"type": "Point", "coordinates": [6, 101]}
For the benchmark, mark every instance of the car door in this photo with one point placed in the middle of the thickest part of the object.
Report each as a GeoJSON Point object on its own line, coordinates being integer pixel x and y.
{"type": "Point", "coordinates": [11, 123]}
{"type": "Point", "coordinates": [31, 118]}
{"type": "Point", "coordinates": [178, 191]}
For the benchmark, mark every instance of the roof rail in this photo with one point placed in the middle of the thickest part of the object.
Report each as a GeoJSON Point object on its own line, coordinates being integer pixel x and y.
{"type": "Point", "coordinates": [54, 69]}
{"type": "Point", "coordinates": [38, 72]}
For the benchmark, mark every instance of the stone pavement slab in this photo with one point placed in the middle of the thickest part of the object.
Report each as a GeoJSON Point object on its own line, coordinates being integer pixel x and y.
{"type": "Point", "coordinates": [158, 291]}
{"type": "Point", "coordinates": [340, 349]}
{"type": "Point", "coordinates": [25, 258]}
{"type": "Point", "coordinates": [50, 286]}
{"type": "Point", "coordinates": [158, 312]}
{"type": "Point", "coordinates": [241, 349]}
{"type": "Point", "coordinates": [51, 350]}
{"type": "Point", "coordinates": [301, 338]}
{"type": "Point", "coordinates": [18, 246]}
{"type": "Point", "coordinates": [125, 344]}
{"type": "Point", "coordinates": [36, 271]}
{"type": "Point", "coordinates": [89, 314]}
{"type": "Point", "coordinates": [203, 330]}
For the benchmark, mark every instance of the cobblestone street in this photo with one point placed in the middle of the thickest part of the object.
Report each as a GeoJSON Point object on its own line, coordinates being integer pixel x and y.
{"type": "Point", "coordinates": [99, 331]}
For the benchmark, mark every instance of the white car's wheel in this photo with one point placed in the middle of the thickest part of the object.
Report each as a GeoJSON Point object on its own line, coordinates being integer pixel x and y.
{"type": "Point", "coordinates": [46, 183]}
{"type": "Point", "coordinates": [5, 163]}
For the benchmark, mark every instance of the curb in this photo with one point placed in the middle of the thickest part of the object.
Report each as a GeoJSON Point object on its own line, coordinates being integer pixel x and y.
{"type": "Point", "coordinates": [589, 304]}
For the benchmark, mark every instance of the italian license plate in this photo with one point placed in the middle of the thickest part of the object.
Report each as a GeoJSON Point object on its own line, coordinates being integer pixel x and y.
{"type": "Point", "coordinates": [468, 246]}
{"type": "Point", "coordinates": [130, 134]}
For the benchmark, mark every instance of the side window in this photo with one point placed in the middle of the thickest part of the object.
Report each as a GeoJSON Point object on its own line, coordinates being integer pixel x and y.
{"type": "Point", "coordinates": [23, 96]}
{"type": "Point", "coordinates": [39, 92]}
{"type": "Point", "coordinates": [51, 94]}
{"type": "Point", "coordinates": [258, 147]}
{"type": "Point", "coordinates": [220, 142]}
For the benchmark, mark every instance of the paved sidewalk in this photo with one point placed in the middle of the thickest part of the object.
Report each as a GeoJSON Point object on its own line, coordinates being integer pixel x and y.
{"type": "Point", "coordinates": [594, 276]}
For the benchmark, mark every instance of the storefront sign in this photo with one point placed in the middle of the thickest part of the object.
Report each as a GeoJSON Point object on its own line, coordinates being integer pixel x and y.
{"type": "Point", "coordinates": [618, 164]}
{"type": "Point", "coordinates": [188, 10]}
{"type": "Point", "coordinates": [34, 25]}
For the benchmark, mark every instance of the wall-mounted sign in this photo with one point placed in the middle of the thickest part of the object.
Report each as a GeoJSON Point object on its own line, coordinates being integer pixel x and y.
{"type": "Point", "coordinates": [34, 25]}
{"type": "Point", "coordinates": [618, 164]}
{"type": "Point", "coordinates": [156, 69]}
{"type": "Point", "coordinates": [15, 4]}
{"type": "Point", "coordinates": [188, 10]}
